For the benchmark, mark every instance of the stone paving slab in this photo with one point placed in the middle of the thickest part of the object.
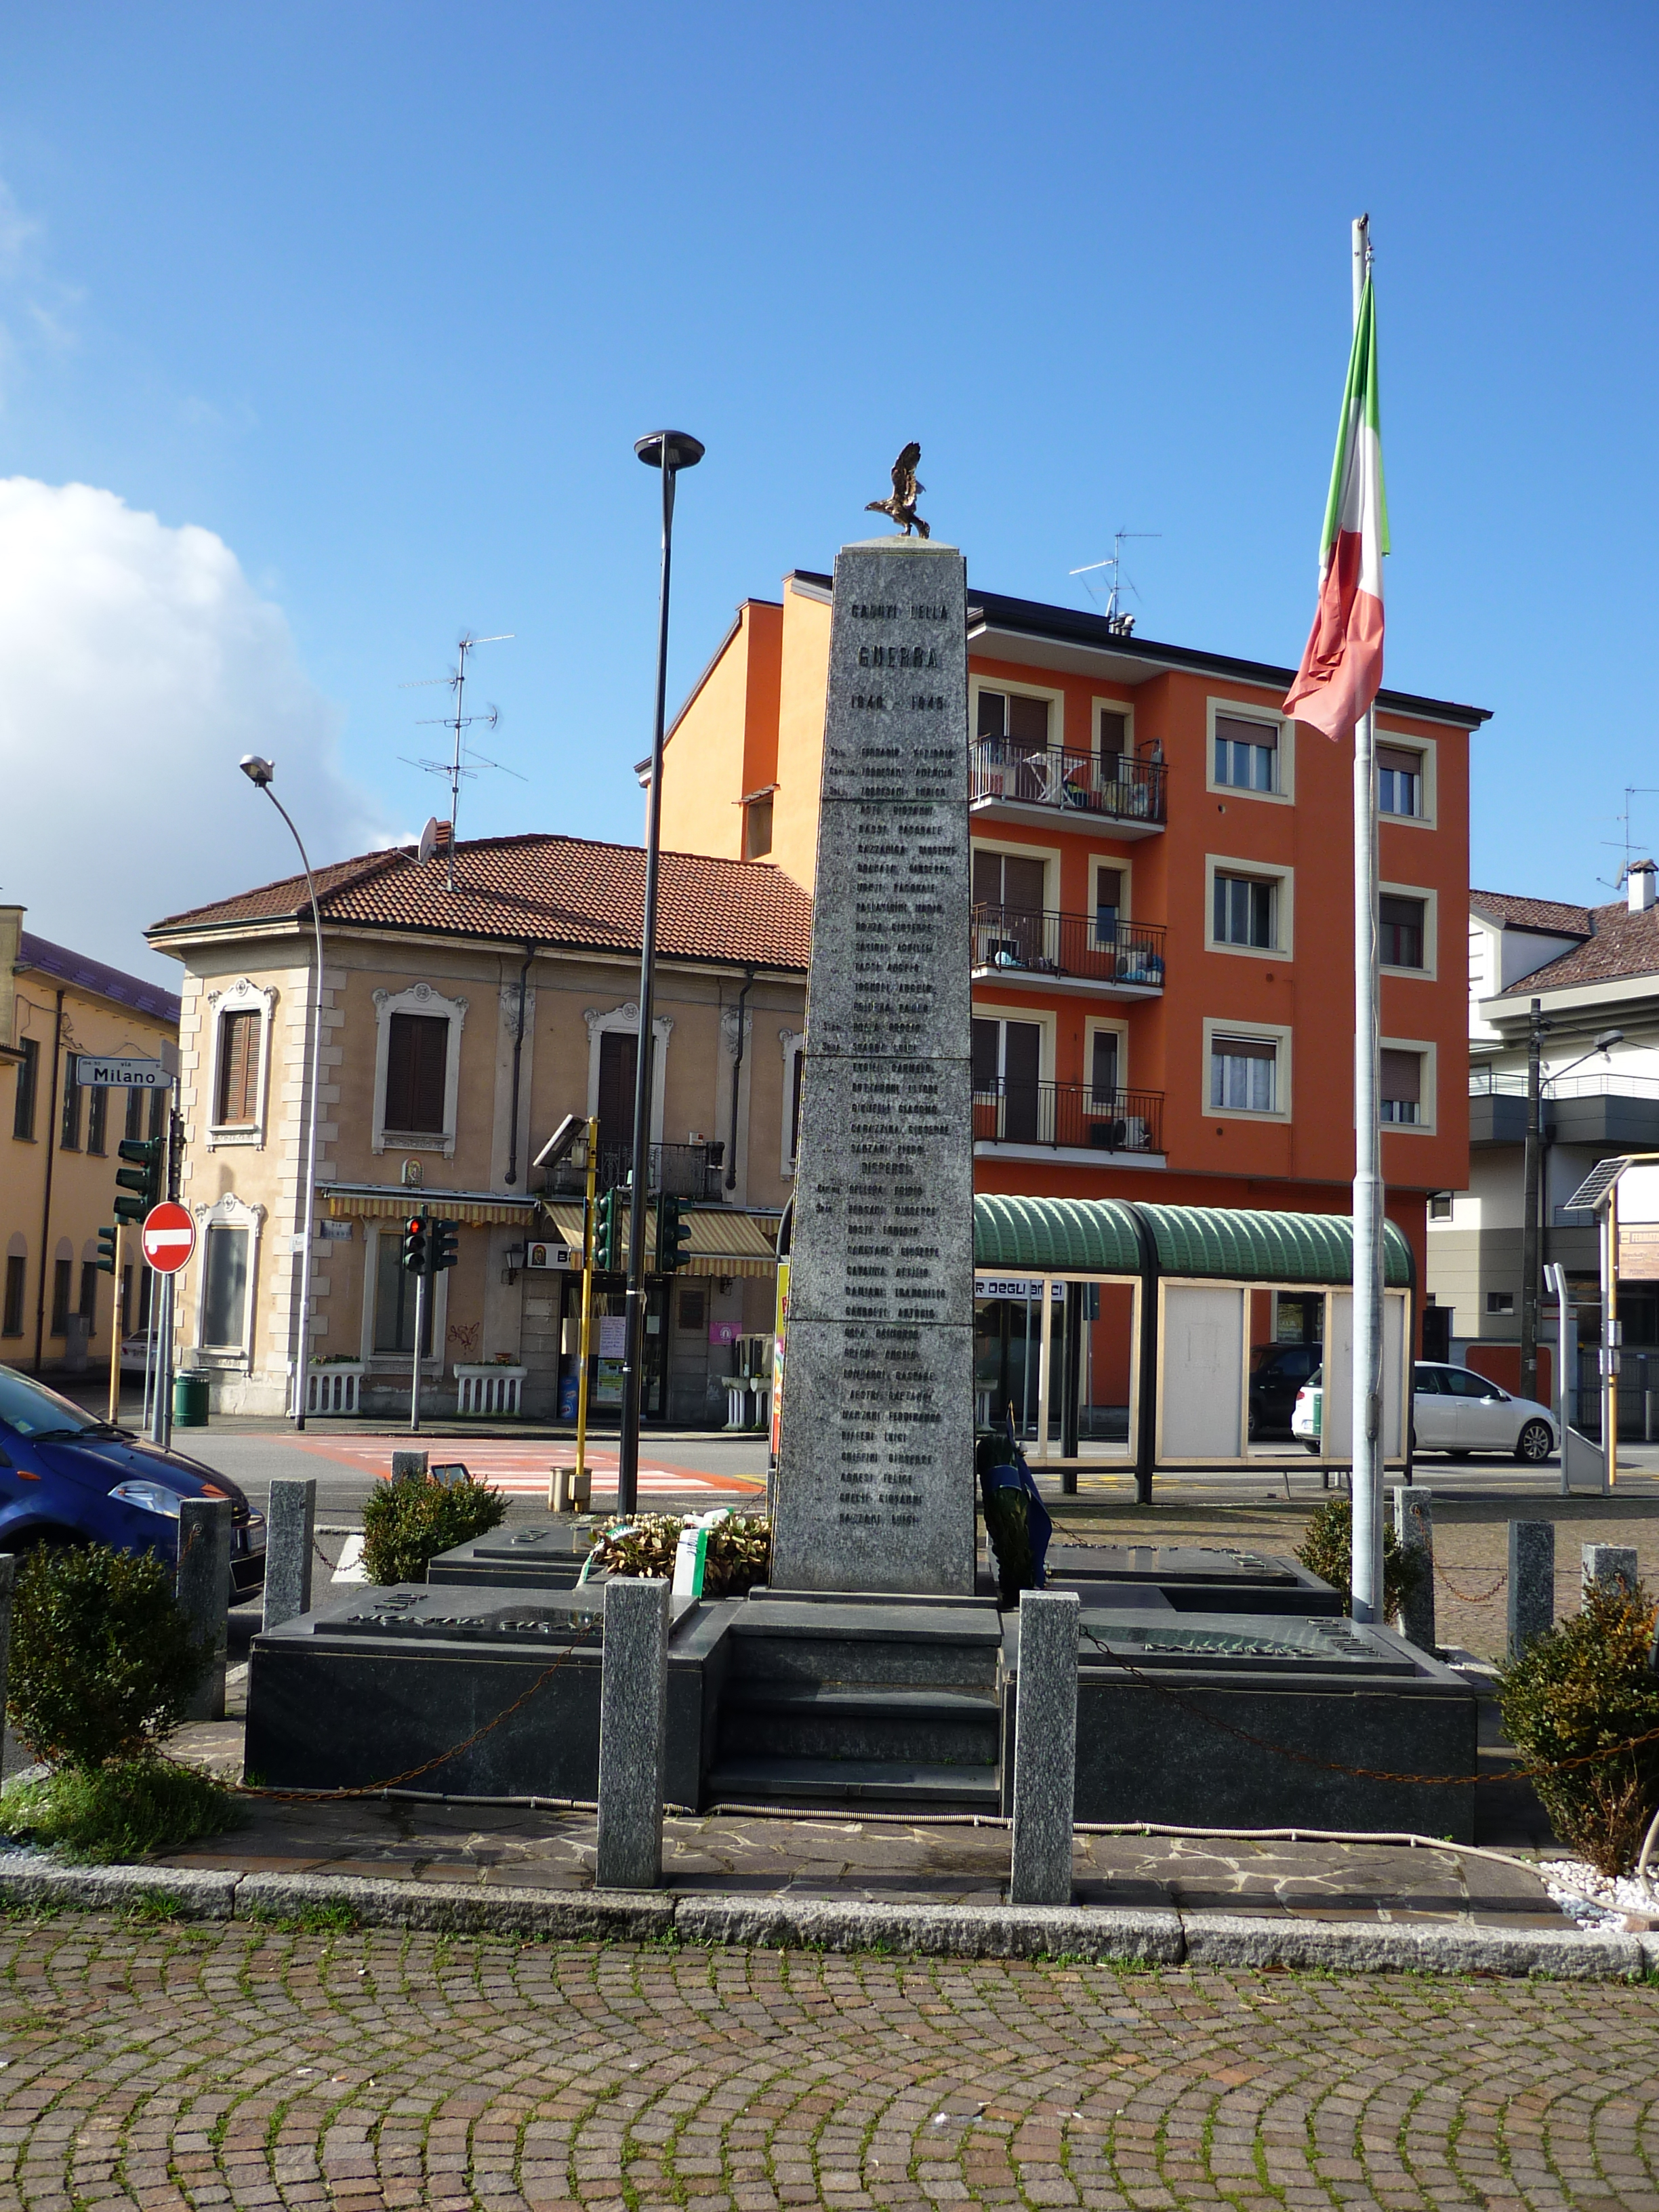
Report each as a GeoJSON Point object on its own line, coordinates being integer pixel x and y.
{"type": "Point", "coordinates": [240, 2064]}
{"type": "Point", "coordinates": [893, 1862]}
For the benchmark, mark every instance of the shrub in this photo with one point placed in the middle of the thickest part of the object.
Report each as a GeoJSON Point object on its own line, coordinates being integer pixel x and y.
{"type": "Point", "coordinates": [103, 1661]}
{"type": "Point", "coordinates": [105, 1813]}
{"type": "Point", "coordinates": [1327, 1550]}
{"type": "Point", "coordinates": [406, 1524]}
{"type": "Point", "coordinates": [740, 1552]}
{"type": "Point", "coordinates": [1586, 1685]}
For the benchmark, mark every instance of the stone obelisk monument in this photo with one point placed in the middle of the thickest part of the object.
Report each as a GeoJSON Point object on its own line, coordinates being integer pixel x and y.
{"type": "Point", "coordinates": [875, 1480]}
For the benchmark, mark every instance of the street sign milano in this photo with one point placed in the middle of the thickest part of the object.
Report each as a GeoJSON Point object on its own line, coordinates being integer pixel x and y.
{"type": "Point", "coordinates": [92, 1073]}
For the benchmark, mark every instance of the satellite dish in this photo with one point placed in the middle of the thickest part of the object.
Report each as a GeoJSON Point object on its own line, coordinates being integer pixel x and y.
{"type": "Point", "coordinates": [428, 844]}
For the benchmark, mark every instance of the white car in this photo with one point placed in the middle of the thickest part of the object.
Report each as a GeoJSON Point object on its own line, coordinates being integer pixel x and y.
{"type": "Point", "coordinates": [1454, 1411]}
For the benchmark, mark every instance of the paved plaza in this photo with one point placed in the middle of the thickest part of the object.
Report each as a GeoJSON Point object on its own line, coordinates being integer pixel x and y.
{"type": "Point", "coordinates": [185, 2065]}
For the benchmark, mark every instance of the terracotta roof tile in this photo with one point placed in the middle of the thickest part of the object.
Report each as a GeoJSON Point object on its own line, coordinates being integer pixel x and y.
{"type": "Point", "coordinates": [1621, 944]}
{"type": "Point", "coordinates": [1554, 916]}
{"type": "Point", "coordinates": [559, 891]}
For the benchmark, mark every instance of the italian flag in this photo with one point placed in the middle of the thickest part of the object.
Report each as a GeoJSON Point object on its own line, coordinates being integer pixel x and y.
{"type": "Point", "coordinates": [1341, 667]}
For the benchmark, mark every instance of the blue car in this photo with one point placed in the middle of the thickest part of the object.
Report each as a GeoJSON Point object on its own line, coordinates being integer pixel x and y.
{"type": "Point", "coordinates": [67, 1477]}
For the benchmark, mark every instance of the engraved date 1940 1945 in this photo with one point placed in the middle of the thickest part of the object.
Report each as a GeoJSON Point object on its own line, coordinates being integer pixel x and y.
{"type": "Point", "coordinates": [926, 703]}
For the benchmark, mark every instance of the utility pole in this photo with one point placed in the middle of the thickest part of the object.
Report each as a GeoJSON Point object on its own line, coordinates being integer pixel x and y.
{"type": "Point", "coordinates": [1537, 1029]}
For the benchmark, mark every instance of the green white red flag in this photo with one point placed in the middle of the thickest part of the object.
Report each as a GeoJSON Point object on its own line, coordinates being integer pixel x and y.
{"type": "Point", "coordinates": [1341, 669]}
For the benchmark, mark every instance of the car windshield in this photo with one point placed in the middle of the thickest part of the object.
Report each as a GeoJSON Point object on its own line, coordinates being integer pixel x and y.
{"type": "Point", "coordinates": [27, 1408]}
{"type": "Point", "coordinates": [1316, 1380]}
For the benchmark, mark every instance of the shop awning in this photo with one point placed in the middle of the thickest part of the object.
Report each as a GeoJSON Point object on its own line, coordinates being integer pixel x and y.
{"type": "Point", "coordinates": [374, 1202]}
{"type": "Point", "coordinates": [723, 1241]}
{"type": "Point", "coordinates": [1218, 1243]}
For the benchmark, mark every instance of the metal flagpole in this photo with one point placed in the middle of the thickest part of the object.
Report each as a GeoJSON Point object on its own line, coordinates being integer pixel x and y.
{"type": "Point", "coordinates": [1367, 1389]}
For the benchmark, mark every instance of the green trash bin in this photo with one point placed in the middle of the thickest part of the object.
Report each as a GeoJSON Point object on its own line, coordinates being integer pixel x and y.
{"type": "Point", "coordinates": [190, 1401]}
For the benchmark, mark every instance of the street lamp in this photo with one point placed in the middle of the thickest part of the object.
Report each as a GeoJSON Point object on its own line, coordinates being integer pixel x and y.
{"type": "Point", "coordinates": [1538, 1027]}
{"type": "Point", "coordinates": [671, 450]}
{"type": "Point", "coordinates": [259, 772]}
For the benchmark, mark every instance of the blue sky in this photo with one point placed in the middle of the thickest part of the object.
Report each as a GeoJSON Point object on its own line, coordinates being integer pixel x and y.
{"type": "Point", "coordinates": [381, 296]}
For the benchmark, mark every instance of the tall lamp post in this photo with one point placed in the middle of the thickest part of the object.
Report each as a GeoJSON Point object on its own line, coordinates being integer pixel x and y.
{"type": "Point", "coordinates": [259, 772]}
{"type": "Point", "coordinates": [671, 450]}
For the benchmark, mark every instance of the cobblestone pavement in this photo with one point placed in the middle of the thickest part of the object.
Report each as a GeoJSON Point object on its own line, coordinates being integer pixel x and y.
{"type": "Point", "coordinates": [178, 2066]}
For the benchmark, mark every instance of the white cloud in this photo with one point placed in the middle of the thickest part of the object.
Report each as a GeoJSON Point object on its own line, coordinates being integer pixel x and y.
{"type": "Point", "coordinates": [137, 664]}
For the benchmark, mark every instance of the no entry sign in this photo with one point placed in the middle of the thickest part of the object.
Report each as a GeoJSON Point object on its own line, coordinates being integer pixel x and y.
{"type": "Point", "coordinates": [168, 1238]}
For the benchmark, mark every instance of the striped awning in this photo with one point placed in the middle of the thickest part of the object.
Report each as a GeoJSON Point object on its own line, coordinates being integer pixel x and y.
{"type": "Point", "coordinates": [474, 1209]}
{"type": "Point", "coordinates": [723, 1241]}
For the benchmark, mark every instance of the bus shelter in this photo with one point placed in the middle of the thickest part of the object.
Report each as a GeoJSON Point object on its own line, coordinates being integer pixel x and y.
{"type": "Point", "coordinates": [1115, 1334]}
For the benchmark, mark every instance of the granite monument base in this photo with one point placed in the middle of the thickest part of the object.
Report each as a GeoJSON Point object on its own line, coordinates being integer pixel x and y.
{"type": "Point", "coordinates": [1193, 1578]}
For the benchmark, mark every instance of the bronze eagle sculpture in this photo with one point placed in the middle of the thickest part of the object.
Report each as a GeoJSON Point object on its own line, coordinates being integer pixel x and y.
{"type": "Point", "coordinates": [902, 505]}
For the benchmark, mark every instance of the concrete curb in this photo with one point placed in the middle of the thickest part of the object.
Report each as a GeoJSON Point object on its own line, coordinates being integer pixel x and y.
{"type": "Point", "coordinates": [963, 1931]}
{"type": "Point", "coordinates": [1147, 1937]}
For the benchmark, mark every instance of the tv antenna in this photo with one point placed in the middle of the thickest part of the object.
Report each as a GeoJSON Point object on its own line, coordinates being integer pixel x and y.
{"type": "Point", "coordinates": [1117, 619]}
{"type": "Point", "coordinates": [1631, 791]}
{"type": "Point", "coordinates": [464, 754]}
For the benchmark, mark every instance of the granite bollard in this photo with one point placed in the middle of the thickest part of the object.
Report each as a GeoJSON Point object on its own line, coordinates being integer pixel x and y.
{"type": "Point", "coordinates": [408, 1465]}
{"type": "Point", "coordinates": [1532, 1583]}
{"type": "Point", "coordinates": [1610, 1564]}
{"type": "Point", "coordinates": [633, 1733]}
{"type": "Point", "coordinates": [1414, 1526]}
{"type": "Point", "coordinates": [290, 1542]}
{"type": "Point", "coordinates": [204, 1590]}
{"type": "Point", "coordinates": [1045, 1748]}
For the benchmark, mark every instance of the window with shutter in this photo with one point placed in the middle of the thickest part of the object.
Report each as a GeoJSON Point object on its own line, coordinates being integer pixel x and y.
{"type": "Point", "coordinates": [239, 1069]}
{"type": "Point", "coordinates": [1243, 1074]}
{"type": "Point", "coordinates": [1402, 1085]}
{"type": "Point", "coordinates": [619, 1061]}
{"type": "Point", "coordinates": [417, 1062]}
{"type": "Point", "coordinates": [1399, 780]}
{"type": "Point", "coordinates": [1399, 935]}
{"type": "Point", "coordinates": [1246, 753]}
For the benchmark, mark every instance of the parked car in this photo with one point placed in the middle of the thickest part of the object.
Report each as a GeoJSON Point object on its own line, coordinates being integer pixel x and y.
{"type": "Point", "coordinates": [67, 1477]}
{"type": "Point", "coordinates": [1454, 1411]}
{"type": "Point", "coordinates": [1277, 1374]}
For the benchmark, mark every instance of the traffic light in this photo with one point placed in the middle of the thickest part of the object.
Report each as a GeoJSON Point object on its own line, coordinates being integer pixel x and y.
{"type": "Point", "coordinates": [607, 1235]}
{"type": "Point", "coordinates": [148, 1156]}
{"type": "Point", "coordinates": [415, 1243]}
{"type": "Point", "coordinates": [107, 1239]}
{"type": "Point", "coordinates": [445, 1245]}
{"type": "Point", "coordinates": [673, 1235]}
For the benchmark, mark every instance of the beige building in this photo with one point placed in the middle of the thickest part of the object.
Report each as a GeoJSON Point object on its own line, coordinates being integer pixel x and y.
{"type": "Point", "coordinates": [58, 1143]}
{"type": "Point", "coordinates": [459, 1026]}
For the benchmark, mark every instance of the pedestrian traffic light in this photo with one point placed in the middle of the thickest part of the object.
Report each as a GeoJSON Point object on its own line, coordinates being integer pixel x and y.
{"type": "Point", "coordinates": [673, 1235]}
{"type": "Point", "coordinates": [415, 1243]}
{"type": "Point", "coordinates": [445, 1245]}
{"type": "Point", "coordinates": [607, 1235]}
{"type": "Point", "coordinates": [106, 1243]}
{"type": "Point", "coordinates": [143, 1177]}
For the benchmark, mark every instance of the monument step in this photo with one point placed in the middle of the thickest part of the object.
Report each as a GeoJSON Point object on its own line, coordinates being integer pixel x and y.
{"type": "Point", "coordinates": [841, 1782]}
{"type": "Point", "coordinates": [866, 1658]}
{"type": "Point", "coordinates": [842, 1721]}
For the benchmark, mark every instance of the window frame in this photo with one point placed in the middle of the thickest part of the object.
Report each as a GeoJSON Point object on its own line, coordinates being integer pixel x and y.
{"type": "Point", "coordinates": [98, 1120]}
{"type": "Point", "coordinates": [1429, 750]}
{"type": "Point", "coordinates": [792, 1044]}
{"type": "Point", "coordinates": [1095, 1025]}
{"type": "Point", "coordinates": [1250, 710]}
{"type": "Point", "coordinates": [418, 999]}
{"type": "Point", "coordinates": [1276, 1033]}
{"type": "Point", "coordinates": [70, 1133]}
{"type": "Point", "coordinates": [242, 997]}
{"type": "Point", "coordinates": [1284, 881]}
{"type": "Point", "coordinates": [1428, 1086]}
{"type": "Point", "coordinates": [25, 1102]}
{"type": "Point", "coordinates": [15, 1308]}
{"type": "Point", "coordinates": [626, 1018]}
{"type": "Point", "coordinates": [399, 1363]}
{"type": "Point", "coordinates": [1124, 706]}
{"type": "Point", "coordinates": [1055, 698]}
{"type": "Point", "coordinates": [1428, 972]}
{"type": "Point", "coordinates": [230, 1212]}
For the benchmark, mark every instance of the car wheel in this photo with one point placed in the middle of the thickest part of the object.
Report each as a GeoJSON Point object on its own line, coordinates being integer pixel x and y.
{"type": "Point", "coordinates": [1309, 1445]}
{"type": "Point", "coordinates": [1534, 1444]}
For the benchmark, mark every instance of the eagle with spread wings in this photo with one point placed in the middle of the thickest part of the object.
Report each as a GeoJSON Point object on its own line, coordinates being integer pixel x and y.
{"type": "Point", "coordinates": [903, 504]}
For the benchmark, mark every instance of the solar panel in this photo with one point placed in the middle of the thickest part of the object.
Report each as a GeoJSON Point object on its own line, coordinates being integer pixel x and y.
{"type": "Point", "coordinates": [1598, 1182]}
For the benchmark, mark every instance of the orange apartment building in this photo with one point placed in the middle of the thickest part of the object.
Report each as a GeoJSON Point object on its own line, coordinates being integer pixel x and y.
{"type": "Point", "coordinates": [1163, 935]}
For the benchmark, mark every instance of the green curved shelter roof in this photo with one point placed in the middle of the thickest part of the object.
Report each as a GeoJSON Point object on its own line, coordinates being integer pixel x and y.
{"type": "Point", "coordinates": [1098, 1235]}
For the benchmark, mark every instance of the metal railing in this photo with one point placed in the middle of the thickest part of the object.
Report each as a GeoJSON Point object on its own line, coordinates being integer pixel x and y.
{"type": "Point", "coordinates": [674, 1171]}
{"type": "Point", "coordinates": [1080, 945]}
{"type": "Point", "coordinates": [1118, 786]}
{"type": "Point", "coordinates": [1511, 1083]}
{"type": "Point", "coordinates": [1074, 1115]}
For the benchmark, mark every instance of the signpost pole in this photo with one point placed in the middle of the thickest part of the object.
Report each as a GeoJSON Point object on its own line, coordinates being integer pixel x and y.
{"type": "Point", "coordinates": [420, 1329]}
{"type": "Point", "coordinates": [164, 1396]}
{"type": "Point", "coordinates": [115, 1333]}
{"type": "Point", "coordinates": [587, 1295]}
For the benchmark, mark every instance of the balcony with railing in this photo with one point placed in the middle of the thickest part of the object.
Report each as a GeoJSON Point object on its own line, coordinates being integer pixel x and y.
{"type": "Point", "coordinates": [1070, 1116]}
{"type": "Point", "coordinates": [1068, 951]}
{"type": "Point", "coordinates": [673, 1171]}
{"type": "Point", "coordinates": [1604, 1106]}
{"type": "Point", "coordinates": [1012, 781]}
